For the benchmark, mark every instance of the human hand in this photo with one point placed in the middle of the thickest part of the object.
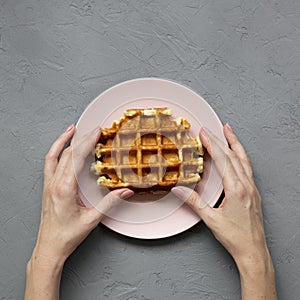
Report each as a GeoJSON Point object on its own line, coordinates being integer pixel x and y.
{"type": "Point", "coordinates": [238, 222]}
{"type": "Point", "coordinates": [65, 221]}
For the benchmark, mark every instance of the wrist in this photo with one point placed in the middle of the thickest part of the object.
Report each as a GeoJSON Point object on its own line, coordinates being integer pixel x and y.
{"type": "Point", "coordinates": [255, 262]}
{"type": "Point", "coordinates": [257, 275]}
{"type": "Point", "coordinates": [43, 275]}
{"type": "Point", "coordinates": [45, 261]}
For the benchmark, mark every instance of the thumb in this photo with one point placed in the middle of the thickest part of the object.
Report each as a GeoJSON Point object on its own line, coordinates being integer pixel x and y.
{"type": "Point", "coordinates": [109, 201]}
{"type": "Point", "coordinates": [194, 201]}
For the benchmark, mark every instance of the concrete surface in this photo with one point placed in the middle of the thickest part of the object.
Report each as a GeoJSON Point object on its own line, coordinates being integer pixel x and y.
{"type": "Point", "coordinates": [242, 56]}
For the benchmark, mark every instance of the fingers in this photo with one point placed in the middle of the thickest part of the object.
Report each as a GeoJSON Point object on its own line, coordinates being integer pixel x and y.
{"type": "Point", "coordinates": [221, 155]}
{"type": "Point", "coordinates": [193, 200]}
{"type": "Point", "coordinates": [109, 201]}
{"type": "Point", "coordinates": [83, 147]}
{"type": "Point", "coordinates": [73, 158]}
{"type": "Point", "coordinates": [237, 147]}
{"type": "Point", "coordinates": [231, 155]}
{"type": "Point", "coordinates": [51, 159]}
{"type": "Point", "coordinates": [232, 164]}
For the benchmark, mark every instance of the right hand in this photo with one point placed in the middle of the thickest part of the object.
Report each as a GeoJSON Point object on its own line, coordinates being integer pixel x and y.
{"type": "Point", "coordinates": [238, 222]}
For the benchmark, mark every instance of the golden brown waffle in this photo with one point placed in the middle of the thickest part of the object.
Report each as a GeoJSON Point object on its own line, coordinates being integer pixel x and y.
{"type": "Point", "coordinates": [148, 149]}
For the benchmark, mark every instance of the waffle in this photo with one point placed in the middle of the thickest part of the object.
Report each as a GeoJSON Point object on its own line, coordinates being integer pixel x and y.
{"type": "Point", "coordinates": [147, 149]}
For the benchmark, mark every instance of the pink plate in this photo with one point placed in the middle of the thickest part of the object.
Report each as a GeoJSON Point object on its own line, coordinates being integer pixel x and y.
{"type": "Point", "coordinates": [148, 217]}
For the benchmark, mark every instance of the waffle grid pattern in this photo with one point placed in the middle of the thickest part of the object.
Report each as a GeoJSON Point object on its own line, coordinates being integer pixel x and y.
{"type": "Point", "coordinates": [147, 148]}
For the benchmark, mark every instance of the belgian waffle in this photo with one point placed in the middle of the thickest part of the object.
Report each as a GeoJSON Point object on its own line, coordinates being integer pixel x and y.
{"type": "Point", "coordinates": [148, 149]}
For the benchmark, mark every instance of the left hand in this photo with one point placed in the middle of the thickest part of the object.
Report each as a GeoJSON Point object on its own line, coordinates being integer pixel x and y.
{"type": "Point", "coordinates": [65, 221]}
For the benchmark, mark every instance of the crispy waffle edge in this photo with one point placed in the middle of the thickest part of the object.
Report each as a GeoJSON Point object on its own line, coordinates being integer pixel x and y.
{"type": "Point", "coordinates": [110, 163]}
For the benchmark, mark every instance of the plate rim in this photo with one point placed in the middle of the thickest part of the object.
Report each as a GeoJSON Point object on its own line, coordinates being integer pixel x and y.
{"type": "Point", "coordinates": [218, 193]}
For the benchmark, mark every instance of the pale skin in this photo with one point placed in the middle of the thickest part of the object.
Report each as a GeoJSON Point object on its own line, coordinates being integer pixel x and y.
{"type": "Point", "coordinates": [65, 222]}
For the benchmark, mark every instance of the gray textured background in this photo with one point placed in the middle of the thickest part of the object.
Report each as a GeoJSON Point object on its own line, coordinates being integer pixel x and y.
{"type": "Point", "coordinates": [242, 56]}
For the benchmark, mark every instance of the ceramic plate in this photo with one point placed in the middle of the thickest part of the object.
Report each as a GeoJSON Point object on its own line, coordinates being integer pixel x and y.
{"type": "Point", "coordinates": [150, 216]}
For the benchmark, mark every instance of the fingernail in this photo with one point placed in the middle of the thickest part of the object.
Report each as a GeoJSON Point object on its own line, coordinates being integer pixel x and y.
{"type": "Point", "coordinates": [179, 193]}
{"type": "Point", "coordinates": [69, 128]}
{"type": "Point", "coordinates": [126, 194]}
{"type": "Point", "coordinates": [206, 131]}
{"type": "Point", "coordinates": [97, 129]}
{"type": "Point", "coordinates": [229, 127]}
{"type": "Point", "coordinates": [205, 134]}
